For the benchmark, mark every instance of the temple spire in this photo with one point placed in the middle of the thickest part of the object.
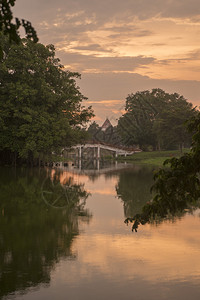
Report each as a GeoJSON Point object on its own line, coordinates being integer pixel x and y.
{"type": "Point", "coordinates": [106, 125]}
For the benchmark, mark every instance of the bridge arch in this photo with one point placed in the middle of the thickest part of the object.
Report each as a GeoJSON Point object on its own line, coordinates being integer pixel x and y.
{"type": "Point", "coordinates": [118, 151]}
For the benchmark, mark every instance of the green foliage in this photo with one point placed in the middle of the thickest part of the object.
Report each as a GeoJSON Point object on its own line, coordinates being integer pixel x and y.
{"type": "Point", "coordinates": [93, 129]}
{"type": "Point", "coordinates": [168, 126]}
{"type": "Point", "coordinates": [177, 184]}
{"type": "Point", "coordinates": [40, 104]}
{"type": "Point", "coordinates": [155, 119]}
{"type": "Point", "coordinates": [12, 29]}
{"type": "Point", "coordinates": [109, 136]}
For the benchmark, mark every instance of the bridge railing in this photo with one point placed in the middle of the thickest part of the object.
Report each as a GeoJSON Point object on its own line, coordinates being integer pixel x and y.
{"type": "Point", "coordinates": [121, 147]}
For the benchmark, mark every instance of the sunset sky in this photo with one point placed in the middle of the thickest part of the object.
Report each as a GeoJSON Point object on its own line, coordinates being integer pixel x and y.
{"type": "Point", "coordinates": [121, 47]}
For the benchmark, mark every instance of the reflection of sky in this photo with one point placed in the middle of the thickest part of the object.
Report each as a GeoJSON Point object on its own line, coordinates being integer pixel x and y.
{"type": "Point", "coordinates": [168, 253]}
{"type": "Point", "coordinates": [157, 262]}
{"type": "Point", "coordinates": [164, 253]}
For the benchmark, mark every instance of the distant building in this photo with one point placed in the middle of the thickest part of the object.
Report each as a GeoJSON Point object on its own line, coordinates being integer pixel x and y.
{"type": "Point", "coordinates": [106, 125]}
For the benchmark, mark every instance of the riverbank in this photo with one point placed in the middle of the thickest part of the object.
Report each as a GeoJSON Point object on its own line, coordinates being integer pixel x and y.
{"type": "Point", "coordinates": [155, 158]}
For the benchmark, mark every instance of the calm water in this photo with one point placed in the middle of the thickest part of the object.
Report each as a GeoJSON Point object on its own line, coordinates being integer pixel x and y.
{"type": "Point", "coordinates": [62, 236]}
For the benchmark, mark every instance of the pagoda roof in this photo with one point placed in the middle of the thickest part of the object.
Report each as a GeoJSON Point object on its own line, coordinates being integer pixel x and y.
{"type": "Point", "coordinates": [106, 124]}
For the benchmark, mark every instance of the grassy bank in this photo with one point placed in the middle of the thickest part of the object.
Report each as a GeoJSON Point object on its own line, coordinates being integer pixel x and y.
{"type": "Point", "coordinates": [155, 158]}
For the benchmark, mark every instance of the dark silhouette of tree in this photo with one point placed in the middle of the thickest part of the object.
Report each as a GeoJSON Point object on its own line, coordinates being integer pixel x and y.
{"type": "Point", "coordinates": [10, 27]}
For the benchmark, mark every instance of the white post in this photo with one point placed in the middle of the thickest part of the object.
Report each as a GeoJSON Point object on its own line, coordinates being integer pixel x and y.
{"type": "Point", "coordinates": [80, 152]}
{"type": "Point", "coordinates": [79, 164]}
{"type": "Point", "coordinates": [94, 152]}
{"type": "Point", "coordinates": [77, 152]}
{"type": "Point", "coordinates": [98, 152]}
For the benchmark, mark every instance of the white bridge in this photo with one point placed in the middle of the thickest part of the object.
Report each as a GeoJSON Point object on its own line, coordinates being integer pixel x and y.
{"type": "Point", "coordinates": [98, 146]}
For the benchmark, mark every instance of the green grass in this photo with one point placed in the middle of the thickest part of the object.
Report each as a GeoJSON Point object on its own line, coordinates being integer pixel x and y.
{"type": "Point", "coordinates": [155, 158]}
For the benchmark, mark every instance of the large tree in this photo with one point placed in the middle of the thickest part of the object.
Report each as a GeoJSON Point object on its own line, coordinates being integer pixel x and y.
{"type": "Point", "coordinates": [155, 119]}
{"type": "Point", "coordinates": [40, 103]}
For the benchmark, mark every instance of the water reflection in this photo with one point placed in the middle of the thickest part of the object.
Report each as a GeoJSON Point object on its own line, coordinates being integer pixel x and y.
{"type": "Point", "coordinates": [52, 250]}
{"type": "Point", "coordinates": [139, 208]}
{"type": "Point", "coordinates": [63, 192]}
{"type": "Point", "coordinates": [157, 263]}
{"type": "Point", "coordinates": [133, 188]}
{"type": "Point", "coordinates": [33, 235]}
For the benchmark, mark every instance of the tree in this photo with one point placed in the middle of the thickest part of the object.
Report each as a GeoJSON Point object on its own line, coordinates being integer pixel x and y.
{"type": "Point", "coordinates": [40, 104]}
{"type": "Point", "coordinates": [168, 126]}
{"type": "Point", "coordinates": [135, 126]}
{"type": "Point", "coordinates": [12, 29]}
{"type": "Point", "coordinates": [93, 129]}
{"type": "Point", "coordinates": [154, 119]}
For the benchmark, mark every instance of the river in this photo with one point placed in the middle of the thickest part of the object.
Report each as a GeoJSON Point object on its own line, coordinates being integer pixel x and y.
{"type": "Point", "coordinates": [63, 236]}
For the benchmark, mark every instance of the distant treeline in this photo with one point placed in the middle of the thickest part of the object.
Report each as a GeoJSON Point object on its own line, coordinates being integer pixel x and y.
{"type": "Point", "coordinates": [153, 120]}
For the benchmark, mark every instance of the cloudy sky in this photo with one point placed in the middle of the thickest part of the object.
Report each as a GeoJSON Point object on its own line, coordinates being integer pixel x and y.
{"type": "Point", "coordinates": [121, 47]}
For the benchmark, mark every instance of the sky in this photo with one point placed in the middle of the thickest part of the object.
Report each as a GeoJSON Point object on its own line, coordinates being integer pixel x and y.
{"type": "Point", "coordinates": [121, 47]}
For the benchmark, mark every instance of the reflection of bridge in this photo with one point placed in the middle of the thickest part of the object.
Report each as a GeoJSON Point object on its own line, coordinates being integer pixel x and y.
{"type": "Point", "coordinates": [99, 170]}
{"type": "Point", "coordinates": [117, 150]}
{"type": "Point", "coordinates": [96, 169]}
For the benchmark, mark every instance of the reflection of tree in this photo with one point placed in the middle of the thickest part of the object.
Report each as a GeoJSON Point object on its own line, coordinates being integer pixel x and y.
{"type": "Point", "coordinates": [67, 194]}
{"type": "Point", "coordinates": [133, 188]}
{"type": "Point", "coordinates": [33, 236]}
